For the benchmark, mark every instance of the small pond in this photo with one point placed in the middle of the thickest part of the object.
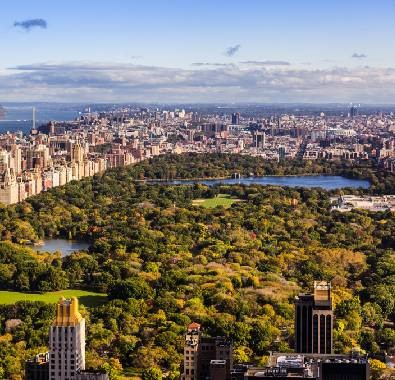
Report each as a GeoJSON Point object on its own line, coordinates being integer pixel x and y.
{"type": "Point", "coordinates": [64, 246]}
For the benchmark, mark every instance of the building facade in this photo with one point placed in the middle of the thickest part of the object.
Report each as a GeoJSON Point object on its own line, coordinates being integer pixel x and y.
{"type": "Point", "coordinates": [67, 341]}
{"type": "Point", "coordinates": [37, 368]}
{"type": "Point", "coordinates": [314, 320]}
{"type": "Point", "coordinates": [206, 356]}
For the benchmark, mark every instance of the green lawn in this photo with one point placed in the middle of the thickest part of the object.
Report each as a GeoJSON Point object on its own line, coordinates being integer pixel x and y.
{"type": "Point", "coordinates": [89, 299]}
{"type": "Point", "coordinates": [224, 200]}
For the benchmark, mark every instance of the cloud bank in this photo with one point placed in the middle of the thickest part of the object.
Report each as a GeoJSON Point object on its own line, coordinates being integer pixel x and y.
{"type": "Point", "coordinates": [211, 64]}
{"type": "Point", "coordinates": [31, 23]}
{"type": "Point", "coordinates": [96, 82]}
{"type": "Point", "coordinates": [266, 63]}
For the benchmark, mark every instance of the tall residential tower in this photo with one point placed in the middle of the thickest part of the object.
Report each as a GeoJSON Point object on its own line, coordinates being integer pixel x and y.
{"type": "Point", "coordinates": [67, 341]}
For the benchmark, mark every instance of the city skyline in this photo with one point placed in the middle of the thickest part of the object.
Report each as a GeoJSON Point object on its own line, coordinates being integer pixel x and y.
{"type": "Point", "coordinates": [183, 51]}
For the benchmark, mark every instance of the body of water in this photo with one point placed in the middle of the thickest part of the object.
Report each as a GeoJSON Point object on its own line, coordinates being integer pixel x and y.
{"type": "Point", "coordinates": [65, 247]}
{"type": "Point", "coordinates": [327, 182]}
{"type": "Point", "coordinates": [19, 118]}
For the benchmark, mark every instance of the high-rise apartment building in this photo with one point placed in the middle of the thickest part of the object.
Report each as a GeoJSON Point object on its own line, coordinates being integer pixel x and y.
{"type": "Point", "coordinates": [8, 187]}
{"type": "Point", "coordinates": [314, 320]}
{"type": "Point", "coordinates": [78, 153]}
{"type": "Point", "coordinates": [67, 341]}
{"type": "Point", "coordinates": [206, 355]}
{"type": "Point", "coordinates": [66, 357]}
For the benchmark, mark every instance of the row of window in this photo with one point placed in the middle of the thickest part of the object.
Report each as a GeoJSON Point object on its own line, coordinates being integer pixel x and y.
{"type": "Point", "coordinates": [72, 368]}
{"type": "Point", "coordinates": [71, 356]}
{"type": "Point", "coordinates": [65, 360]}
{"type": "Point", "coordinates": [59, 338]}
{"type": "Point", "coordinates": [66, 328]}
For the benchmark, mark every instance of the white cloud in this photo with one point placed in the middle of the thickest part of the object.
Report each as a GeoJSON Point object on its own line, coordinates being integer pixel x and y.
{"type": "Point", "coordinates": [84, 81]}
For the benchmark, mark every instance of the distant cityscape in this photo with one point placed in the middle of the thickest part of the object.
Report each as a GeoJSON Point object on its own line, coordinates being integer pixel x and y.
{"type": "Point", "coordinates": [57, 152]}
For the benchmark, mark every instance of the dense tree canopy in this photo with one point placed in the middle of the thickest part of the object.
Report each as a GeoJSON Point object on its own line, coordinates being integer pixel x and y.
{"type": "Point", "coordinates": [164, 262]}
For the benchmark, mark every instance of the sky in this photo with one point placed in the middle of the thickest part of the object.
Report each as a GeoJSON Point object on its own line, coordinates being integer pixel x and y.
{"type": "Point", "coordinates": [188, 51]}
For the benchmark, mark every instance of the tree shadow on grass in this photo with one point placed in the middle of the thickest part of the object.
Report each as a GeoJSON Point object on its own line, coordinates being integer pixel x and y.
{"type": "Point", "coordinates": [93, 300]}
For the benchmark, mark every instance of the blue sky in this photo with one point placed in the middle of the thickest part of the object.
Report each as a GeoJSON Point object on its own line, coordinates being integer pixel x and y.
{"type": "Point", "coordinates": [175, 50]}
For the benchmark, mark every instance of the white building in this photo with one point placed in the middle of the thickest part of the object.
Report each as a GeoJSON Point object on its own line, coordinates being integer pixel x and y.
{"type": "Point", "coordinates": [67, 342]}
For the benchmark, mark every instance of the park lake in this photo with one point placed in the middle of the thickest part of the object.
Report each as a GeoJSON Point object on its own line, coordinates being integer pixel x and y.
{"type": "Point", "coordinates": [64, 246]}
{"type": "Point", "coordinates": [327, 182]}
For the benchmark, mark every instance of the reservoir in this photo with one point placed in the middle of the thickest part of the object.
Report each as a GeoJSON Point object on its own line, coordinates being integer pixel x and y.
{"type": "Point", "coordinates": [65, 247]}
{"type": "Point", "coordinates": [327, 182]}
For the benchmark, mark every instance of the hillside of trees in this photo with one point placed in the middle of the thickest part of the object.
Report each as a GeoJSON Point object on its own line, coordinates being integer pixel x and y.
{"type": "Point", "coordinates": [164, 262]}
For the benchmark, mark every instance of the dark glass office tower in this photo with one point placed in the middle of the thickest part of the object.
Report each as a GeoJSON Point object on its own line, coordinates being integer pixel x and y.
{"type": "Point", "coordinates": [314, 320]}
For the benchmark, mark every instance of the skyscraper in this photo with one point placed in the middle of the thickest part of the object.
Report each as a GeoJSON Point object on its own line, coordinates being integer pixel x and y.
{"type": "Point", "coordinates": [259, 139]}
{"type": "Point", "coordinates": [314, 320]}
{"type": "Point", "coordinates": [67, 341]}
{"type": "Point", "coordinates": [236, 118]}
{"type": "Point", "coordinates": [281, 152]}
{"type": "Point", "coordinates": [353, 111]}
